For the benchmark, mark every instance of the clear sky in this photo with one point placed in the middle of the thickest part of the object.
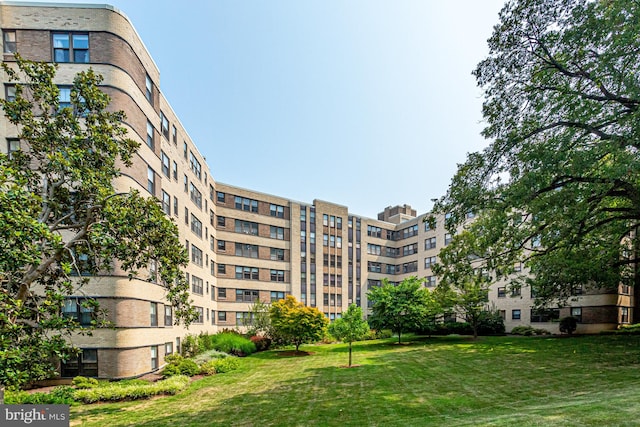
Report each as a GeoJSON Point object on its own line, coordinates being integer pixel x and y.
{"type": "Point", "coordinates": [364, 103]}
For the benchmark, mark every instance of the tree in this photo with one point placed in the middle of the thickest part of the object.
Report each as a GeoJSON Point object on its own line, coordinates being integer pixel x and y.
{"type": "Point", "coordinates": [559, 186]}
{"type": "Point", "coordinates": [405, 307]}
{"type": "Point", "coordinates": [463, 282]}
{"type": "Point", "coordinates": [61, 219]}
{"type": "Point", "coordinates": [260, 320]}
{"type": "Point", "coordinates": [350, 327]}
{"type": "Point", "coordinates": [568, 324]}
{"type": "Point", "coordinates": [296, 324]}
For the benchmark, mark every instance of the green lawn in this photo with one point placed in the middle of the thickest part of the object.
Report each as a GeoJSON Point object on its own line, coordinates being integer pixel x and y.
{"type": "Point", "coordinates": [450, 381]}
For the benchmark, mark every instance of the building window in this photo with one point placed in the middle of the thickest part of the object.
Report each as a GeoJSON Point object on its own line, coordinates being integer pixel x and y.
{"type": "Point", "coordinates": [222, 245]}
{"type": "Point", "coordinates": [153, 314]}
{"type": "Point", "coordinates": [78, 310]}
{"type": "Point", "coordinates": [246, 250]}
{"type": "Point", "coordinates": [544, 315]}
{"type": "Point", "coordinates": [247, 273]}
{"type": "Point", "coordinates": [276, 233]}
{"type": "Point", "coordinates": [276, 210]}
{"type": "Point", "coordinates": [430, 243]}
{"type": "Point", "coordinates": [374, 249]}
{"type": "Point", "coordinates": [515, 314]}
{"type": "Point", "coordinates": [624, 315]}
{"type": "Point", "coordinates": [222, 316]}
{"type": "Point", "coordinates": [277, 296]}
{"type": "Point", "coordinates": [165, 164]}
{"type": "Point", "coordinates": [277, 254]}
{"type": "Point", "coordinates": [245, 204]}
{"type": "Point", "coordinates": [221, 221]}
{"type": "Point", "coordinates": [175, 205]}
{"type": "Point", "coordinates": [196, 226]}
{"type": "Point", "coordinates": [148, 85]}
{"type": "Point", "coordinates": [447, 238]}
{"type": "Point", "coordinates": [516, 291]}
{"type": "Point", "coordinates": [13, 145]}
{"type": "Point", "coordinates": [150, 142]}
{"type": "Point", "coordinates": [429, 262]}
{"type": "Point", "coordinates": [196, 255]}
{"type": "Point", "coordinates": [168, 348]}
{"type": "Point", "coordinates": [220, 196]}
{"type": "Point", "coordinates": [151, 181]}
{"type": "Point", "coordinates": [200, 312]}
{"type": "Point", "coordinates": [577, 313]}
{"type": "Point", "coordinates": [68, 47]}
{"type": "Point", "coordinates": [277, 275]}
{"type": "Point", "coordinates": [244, 319]}
{"type": "Point", "coordinates": [174, 134]}
{"type": "Point", "coordinates": [164, 125]}
{"type": "Point", "coordinates": [64, 97]}
{"type": "Point", "coordinates": [196, 196]}
{"type": "Point", "coordinates": [246, 227]}
{"type": "Point", "coordinates": [430, 281]}
{"type": "Point", "coordinates": [166, 203]}
{"type": "Point", "coordinates": [9, 41]}
{"type": "Point", "coordinates": [10, 92]}
{"type": "Point", "coordinates": [196, 285]}
{"type": "Point", "coordinates": [222, 293]}
{"type": "Point", "coordinates": [502, 292]}
{"type": "Point", "coordinates": [175, 170]}
{"type": "Point", "coordinates": [246, 295]}
{"type": "Point", "coordinates": [85, 364]}
{"type": "Point", "coordinates": [195, 165]}
{"type": "Point", "coordinates": [168, 315]}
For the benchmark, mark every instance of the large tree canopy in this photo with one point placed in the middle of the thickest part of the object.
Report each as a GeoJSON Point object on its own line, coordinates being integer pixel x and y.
{"type": "Point", "coordinates": [559, 186]}
{"type": "Point", "coordinates": [62, 221]}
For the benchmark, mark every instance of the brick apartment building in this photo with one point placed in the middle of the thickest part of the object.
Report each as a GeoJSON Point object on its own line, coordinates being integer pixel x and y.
{"type": "Point", "coordinates": [243, 245]}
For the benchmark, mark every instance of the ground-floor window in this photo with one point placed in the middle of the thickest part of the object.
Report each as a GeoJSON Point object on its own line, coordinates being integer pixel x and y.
{"type": "Point", "coordinates": [86, 364]}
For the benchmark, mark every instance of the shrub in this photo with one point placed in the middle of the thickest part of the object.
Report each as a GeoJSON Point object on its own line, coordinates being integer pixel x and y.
{"type": "Point", "coordinates": [490, 323]}
{"type": "Point", "coordinates": [174, 358]}
{"type": "Point", "coordinates": [115, 391]}
{"type": "Point", "coordinates": [261, 343]}
{"type": "Point", "coordinates": [171, 370]}
{"type": "Point", "coordinates": [540, 331]}
{"type": "Point", "coordinates": [378, 334]}
{"type": "Point", "coordinates": [190, 346]}
{"type": "Point", "coordinates": [209, 355]}
{"type": "Point", "coordinates": [62, 395]}
{"type": "Point", "coordinates": [205, 342]}
{"type": "Point", "coordinates": [188, 367]}
{"type": "Point", "coordinates": [225, 365]}
{"type": "Point", "coordinates": [84, 382]}
{"type": "Point", "coordinates": [629, 329]}
{"type": "Point", "coordinates": [523, 330]}
{"type": "Point", "coordinates": [568, 325]}
{"type": "Point", "coordinates": [208, 368]}
{"type": "Point", "coordinates": [233, 344]}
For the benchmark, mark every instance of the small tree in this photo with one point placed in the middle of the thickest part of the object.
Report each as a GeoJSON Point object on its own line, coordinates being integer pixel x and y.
{"type": "Point", "coordinates": [350, 327]}
{"type": "Point", "coordinates": [296, 324]}
{"type": "Point", "coordinates": [260, 321]}
{"type": "Point", "coordinates": [402, 308]}
{"type": "Point", "coordinates": [568, 325]}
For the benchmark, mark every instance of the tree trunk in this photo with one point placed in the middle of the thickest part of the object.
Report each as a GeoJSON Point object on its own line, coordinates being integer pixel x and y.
{"type": "Point", "coordinates": [297, 346]}
{"type": "Point", "coordinates": [349, 354]}
{"type": "Point", "coordinates": [399, 336]}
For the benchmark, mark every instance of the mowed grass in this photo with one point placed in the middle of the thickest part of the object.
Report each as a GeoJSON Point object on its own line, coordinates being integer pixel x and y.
{"type": "Point", "coordinates": [452, 381]}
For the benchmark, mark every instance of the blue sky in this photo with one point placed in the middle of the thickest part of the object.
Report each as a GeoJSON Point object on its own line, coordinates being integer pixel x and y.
{"type": "Point", "coordinates": [361, 103]}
